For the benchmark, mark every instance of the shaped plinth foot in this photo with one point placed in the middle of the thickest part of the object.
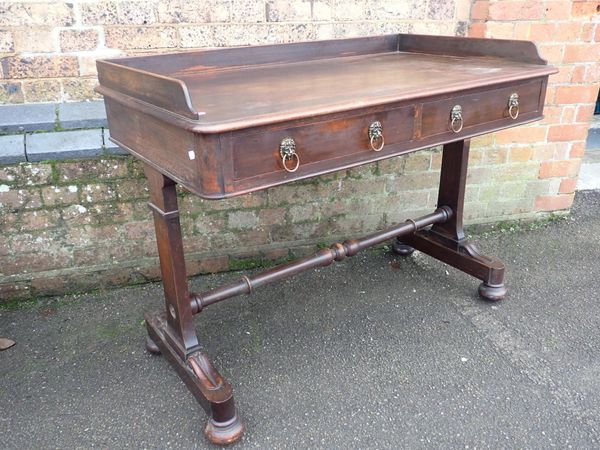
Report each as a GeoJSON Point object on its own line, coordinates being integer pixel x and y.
{"type": "Point", "coordinates": [224, 433]}
{"type": "Point", "coordinates": [402, 249]}
{"type": "Point", "coordinates": [212, 391]}
{"type": "Point", "coordinates": [492, 293]}
{"type": "Point", "coordinates": [151, 346]}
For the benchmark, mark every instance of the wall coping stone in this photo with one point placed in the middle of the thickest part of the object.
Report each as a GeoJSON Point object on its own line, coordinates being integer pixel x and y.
{"type": "Point", "coordinates": [12, 149]}
{"type": "Point", "coordinates": [51, 116]}
{"type": "Point", "coordinates": [34, 117]}
{"type": "Point", "coordinates": [67, 145]}
{"type": "Point", "coordinates": [54, 131]}
{"type": "Point", "coordinates": [82, 115]}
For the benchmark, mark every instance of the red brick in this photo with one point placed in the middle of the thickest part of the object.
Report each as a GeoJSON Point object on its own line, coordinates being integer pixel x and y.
{"type": "Point", "coordinates": [567, 132]}
{"type": "Point", "coordinates": [18, 199]}
{"type": "Point", "coordinates": [561, 151]}
{"type": "Point", "coordinates": [563, 75]}
{"type": "Point", "coordinates": [567, 31]}
{"type": "Point", "coordinates": [44, 90]}
{"type": "Point", "coordinates": [521, 135]}
{"type": "Point", "coordinates": [566, 168]}
{"type": "Point", "coordinates": [72, 40]}
{"type": "Point", "coordinates": [582, 53]}
{"type": "Point", "coordinates": [141, 37]}
{"type": "Point", "coordinates": [568, 114]}
{"type": "Point", "coordinates": [40, 66]}
{"type": "Point", "coordinates": [585, 8]}
{"type": "Point", "coordinates": [554, 202]}
{"type": "Point", "coordinates": [558, 10]}
{"type": "Point", "coordinates": [42, 262]}
{"type": "Point", "coordinates": [99, 13]}
{"type": "Point", "coordinates": [552, 52]}
{"type": "Point", "coordinates": [522, 30]}
{"type": "Point", "coordinates": [14, 291]}
{"type": "Point", "coordinates": [271, 216]}
{"type": "Point", "coordinates": [552, 114]}
{"type": "Point", "coordinates": [592, 73]}
{"type": "Point", "coordinates": [517, 10]}
{"type": "Point", "coordinates": [41, 219]}
{"type": "Point", "coordinates": [550, 94]}
{"type": "Point", "coordinates": [500, 30]}
{"type": "Point", "coordinates": [477, 30]}
{"type": "Point", "coordinates": [543, 152]}
{"type": "Point", "coordinates": [567, 186]}
{"type": "Point", "coordinates": [587, 32]}
{"type": "Point", "coordinates": [576, 94]}
{"type": "Point", "coordinates": [585, 113]}
{"type": "Point", "coordinates": [520, 154]}
{"type": "Point", "coordinates": [542, 32]}
{"type": "Point", "coordinates": [577, 149]}
{"type": "Point", "coordinates": [480, 10]}
{"type": "Point", "coordinates": [578, 74]}
{"type": "Point", "coordinates": [211, 264]}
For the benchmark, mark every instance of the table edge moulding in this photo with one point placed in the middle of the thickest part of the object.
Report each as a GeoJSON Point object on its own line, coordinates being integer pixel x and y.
{"type": "Point", "coordinates": [226, 122]}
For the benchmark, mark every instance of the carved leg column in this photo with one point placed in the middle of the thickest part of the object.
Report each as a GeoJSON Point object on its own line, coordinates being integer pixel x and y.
{"type": "Point", "coordinates": [172, 332]}
{"type": "Point", "coordinates": [446, 241]}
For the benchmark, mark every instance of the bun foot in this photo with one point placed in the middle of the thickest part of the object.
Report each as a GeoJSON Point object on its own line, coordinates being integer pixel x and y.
{"type": "Point", "coordinates": [402, 249]}
{"type": "Point", "coordinates": [492, 293]}
{"type": "Point", "coordinates": [151, 347]}
{"type": "Point", "coordinates": [224, 433]}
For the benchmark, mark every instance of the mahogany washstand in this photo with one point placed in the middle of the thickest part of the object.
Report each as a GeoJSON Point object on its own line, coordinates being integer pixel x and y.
{"type": "Point", "coordinates": [226, 122]}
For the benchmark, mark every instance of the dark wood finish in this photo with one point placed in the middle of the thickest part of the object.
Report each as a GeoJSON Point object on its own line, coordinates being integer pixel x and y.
{"type": "Point", "coordinates": [230, 106]}
{"type": "Point", "coordinates": [213, 121]}
{"type": "Point", "coordinates": [172, 332]}
{"type": "Point", "coordinates": [483, 107]}
{"type": "Point", "coordinates": [324, 257]}
{"type": "Point", "coordinates": [316, 142]}
{"type": "Point", "coordinates": [446, 241]}
{"type": "Point", "coordinates": [209, 388]}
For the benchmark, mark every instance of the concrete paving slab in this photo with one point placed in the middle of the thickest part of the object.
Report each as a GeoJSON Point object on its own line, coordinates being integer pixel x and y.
{"type": "Point", "coordinates": [373, 352]}
{"type": "Point", "coordinates": [33, 117]}
{"type": "Point", "coordinates": [12, 149]}
{"type": "Point", "coordinates": [593, 139]}
{"type": "Point", "coordinates": [589, 176]}
{"type": "Point", "coordinates": [82, 115]}
{"type": "Point", "coordinates": [64, 145]}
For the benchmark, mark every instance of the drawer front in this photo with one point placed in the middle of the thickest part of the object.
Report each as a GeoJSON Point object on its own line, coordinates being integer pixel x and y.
{"type": "Point", "coordinates": [480, 108]}
{"type": "Point", "coordinates": [258, 153]}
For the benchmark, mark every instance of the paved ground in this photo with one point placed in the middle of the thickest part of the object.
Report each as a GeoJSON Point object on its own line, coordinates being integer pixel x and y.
{"type": "Point", "coordinates": [366, 354]}
{"type": "Point", "coordinates": [589, 174]}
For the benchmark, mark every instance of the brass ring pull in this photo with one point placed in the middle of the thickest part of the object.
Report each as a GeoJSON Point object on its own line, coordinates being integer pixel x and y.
{"type": "Point", "coordinates": [456, 119]}
{"type": "Point", "coordinates": [513, 106]}
{"type": "Point", "coordinates": [287, 158]}
{"type": "Point", "coordinates": [287, 151]}
{"type": "Point", "coordinates": [380, 146]}
{"type": "Point", "coordinates": [376, 134]}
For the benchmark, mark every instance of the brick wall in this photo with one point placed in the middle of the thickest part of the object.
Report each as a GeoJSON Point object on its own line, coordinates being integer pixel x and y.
{"type": "Point", "coordinates": [77, 225]}
{"type": "Point", "coordinates": [48, 49]}
{"type": "Point", "coordinates": [568, 36]}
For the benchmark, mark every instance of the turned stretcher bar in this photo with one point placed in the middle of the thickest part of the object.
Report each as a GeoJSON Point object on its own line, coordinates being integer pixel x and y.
{"type": "Point", "coordinates": [323, 257]}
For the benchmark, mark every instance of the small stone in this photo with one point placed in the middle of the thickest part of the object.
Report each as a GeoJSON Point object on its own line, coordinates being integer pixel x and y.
{"type": "Point", "coordinates": [6, 343]}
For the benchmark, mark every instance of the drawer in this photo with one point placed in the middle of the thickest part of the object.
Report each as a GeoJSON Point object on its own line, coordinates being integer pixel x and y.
{"type": "Point", "coordinates": [258, 153]}
{"type": "Point", "coordinates": [481, 108]}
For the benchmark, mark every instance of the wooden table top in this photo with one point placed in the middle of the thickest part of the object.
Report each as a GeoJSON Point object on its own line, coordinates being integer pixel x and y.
{"type": "Point", "coordinates": [227, 89]}
{"type": "Point", "coordinates": [234, 98]}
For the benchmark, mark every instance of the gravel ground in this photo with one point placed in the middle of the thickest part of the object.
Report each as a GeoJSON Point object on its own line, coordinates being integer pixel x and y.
{"type": "Point", "coordinates": [373, 352]}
